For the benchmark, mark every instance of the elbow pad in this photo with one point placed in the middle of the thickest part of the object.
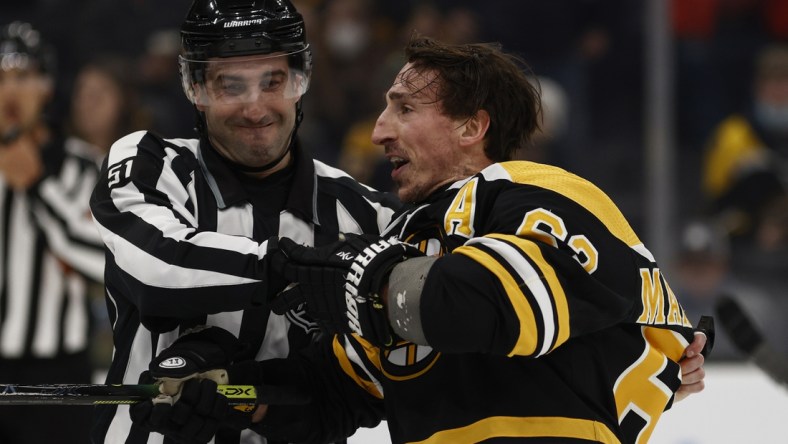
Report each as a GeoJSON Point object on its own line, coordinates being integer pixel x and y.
{"type": "Point", "coordinates": [406, 283]}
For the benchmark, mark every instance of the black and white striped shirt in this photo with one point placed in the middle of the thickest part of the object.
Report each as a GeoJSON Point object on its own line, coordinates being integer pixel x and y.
{"type": "Point", "coordinates": [48, 245]}
{"type": "Point", "coordinates": [185, 239]}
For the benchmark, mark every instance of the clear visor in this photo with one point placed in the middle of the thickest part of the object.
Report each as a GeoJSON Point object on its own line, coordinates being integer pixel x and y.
{"type": "Point", "coordinates": [245, 79]}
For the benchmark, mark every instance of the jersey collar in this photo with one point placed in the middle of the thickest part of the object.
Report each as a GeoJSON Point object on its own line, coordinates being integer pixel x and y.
{"type": "Point", "coordinates": [228, 191]}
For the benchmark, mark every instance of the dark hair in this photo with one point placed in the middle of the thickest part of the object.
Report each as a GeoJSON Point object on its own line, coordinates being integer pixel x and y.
{"type": "Point", "coordinates": [480, 76]}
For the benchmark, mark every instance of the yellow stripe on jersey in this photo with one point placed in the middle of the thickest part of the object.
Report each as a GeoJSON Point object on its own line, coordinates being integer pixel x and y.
{"type": "Point", "coordinates": [543, 285]}
{"type": "Point", "coordinates": [667, 341]}
{"type": "Point", "coordinates": [341, 353]}
{"type": "Point", "coordinates": [526, 344]}
{"type": "Point", "coordinates": [533, 427]}
{"type": "Point", "coordinates": [638, 391]}
{"type": "Point", "coordinates": [586, 194]}
{"type": "Point", "coordinates": [559, 301]}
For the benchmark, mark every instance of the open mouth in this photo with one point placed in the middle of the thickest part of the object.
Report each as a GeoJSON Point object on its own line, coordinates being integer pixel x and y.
{"type": "Point", "coordinates": [397, 162]}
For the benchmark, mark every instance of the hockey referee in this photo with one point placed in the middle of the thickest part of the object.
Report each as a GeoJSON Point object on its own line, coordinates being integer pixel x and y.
{"type": "Point", "coordinates": [49, 245]}
{"type": "Point", "coordinates": [185, 221]}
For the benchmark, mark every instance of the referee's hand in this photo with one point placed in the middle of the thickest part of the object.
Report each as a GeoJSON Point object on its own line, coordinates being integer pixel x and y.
{"type": "Point", "coordinates": [194, 418]}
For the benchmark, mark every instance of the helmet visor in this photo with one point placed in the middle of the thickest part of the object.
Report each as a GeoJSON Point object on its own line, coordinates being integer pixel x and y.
{"type": "Point", "coordinates": [246, 79]}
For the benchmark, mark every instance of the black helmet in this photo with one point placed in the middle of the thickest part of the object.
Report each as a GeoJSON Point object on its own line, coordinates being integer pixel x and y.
{"type": "Point", "coordinates": [220, 29]}
{"type": "Point", "coordinates": [260, 44]}
{"type": "Point", "coordinates": [227, 28]}
{"type": "Point", "coordinates": [21, 47]}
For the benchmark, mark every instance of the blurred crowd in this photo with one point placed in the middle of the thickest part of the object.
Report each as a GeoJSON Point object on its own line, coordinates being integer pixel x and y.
{"type": "Point", "coordinates": [117, 72]}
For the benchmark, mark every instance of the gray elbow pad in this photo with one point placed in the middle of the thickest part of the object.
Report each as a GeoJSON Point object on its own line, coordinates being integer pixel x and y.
{"type": "Point", "coordinates": [404, 298]}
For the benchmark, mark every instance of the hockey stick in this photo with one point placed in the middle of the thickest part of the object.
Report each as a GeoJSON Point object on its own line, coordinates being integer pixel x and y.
{"type": "Point", "coordinates": [116, 394]}
{"type": "Point", "coordinates": [748, 339]}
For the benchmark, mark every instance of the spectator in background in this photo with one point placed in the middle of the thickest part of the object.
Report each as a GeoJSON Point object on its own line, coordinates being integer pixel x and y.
{"type": "Point", "coordinates": [703, 275]}
{"type": "Point", "coordinates": [744, 172]}
{"type": "Point", "coordinates": [104, 105]}
{"type": "Point", "coordinates": [715, 44]}
{"type": "Point", "coordinates": [160, 88]}
{"type": "Point", "coordinates": [351, 42]}
{"type": "Point", "coordinates": [562, 39]}
{"type": "Point", "coordinates": [50, 247]}
{"type": "Point", "coordinates": [461, 25]}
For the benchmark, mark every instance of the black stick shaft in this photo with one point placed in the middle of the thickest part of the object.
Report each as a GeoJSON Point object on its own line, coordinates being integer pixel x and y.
{"type": "Point", "coordinates": [115, 394]}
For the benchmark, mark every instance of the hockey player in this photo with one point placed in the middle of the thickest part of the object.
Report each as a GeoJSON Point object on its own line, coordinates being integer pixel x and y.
{"type": "Point", "coordinates": [185, 221]}
{"type": "Point", "coordinates": [522, 308]}
{"type": "Point", "coordinates": [528, 309]}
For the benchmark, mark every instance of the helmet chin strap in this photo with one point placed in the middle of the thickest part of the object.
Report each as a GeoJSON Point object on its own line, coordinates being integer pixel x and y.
{"type": "Point", "coordinates": [202, 129]}
{"type": "Point", "coordinates": [266, 167]}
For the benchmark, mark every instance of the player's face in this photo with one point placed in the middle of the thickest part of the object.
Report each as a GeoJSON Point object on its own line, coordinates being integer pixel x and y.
{"type": "Point", "coordinates": [421, 143]}
{"type": "Point", "coordinates": [248, 123]}
{"type": "Point", "coordinates": [23, 94]}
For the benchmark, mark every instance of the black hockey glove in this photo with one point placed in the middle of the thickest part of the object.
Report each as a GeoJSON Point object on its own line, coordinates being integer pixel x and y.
{"type": "Point", "coordinates": [195, 417]}
{"type": "Point", "coordinates": [341, 283]}
{"type": "Point", "coordinates": [203, 352]}
{"type": "Point", "coordinates": [189, 409]}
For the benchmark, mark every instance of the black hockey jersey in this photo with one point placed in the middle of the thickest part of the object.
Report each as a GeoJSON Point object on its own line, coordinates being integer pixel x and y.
{"type": "Point", "coordinates": [547, 319]}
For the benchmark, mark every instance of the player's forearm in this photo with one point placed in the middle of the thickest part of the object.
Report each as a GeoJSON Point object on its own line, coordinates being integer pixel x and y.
{"type": "Point", "coordinates": [457, 307]}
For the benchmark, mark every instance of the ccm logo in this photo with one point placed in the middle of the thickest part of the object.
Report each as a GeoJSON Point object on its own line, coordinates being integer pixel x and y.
{"type": "Point", "coordinates": [175, 362]}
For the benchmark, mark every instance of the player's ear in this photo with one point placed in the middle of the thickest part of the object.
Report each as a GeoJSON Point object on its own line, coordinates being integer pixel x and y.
{"type": "Point", "coordinates": [475, 128]}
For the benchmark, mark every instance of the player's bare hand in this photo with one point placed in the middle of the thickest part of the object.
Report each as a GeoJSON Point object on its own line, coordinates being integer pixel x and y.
{"type": "Point", "coordinates": [692, 372]}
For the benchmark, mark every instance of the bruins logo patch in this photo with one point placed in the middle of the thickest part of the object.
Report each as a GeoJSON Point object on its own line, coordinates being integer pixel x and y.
{"type": "Point", "coordinates": [408, 361]}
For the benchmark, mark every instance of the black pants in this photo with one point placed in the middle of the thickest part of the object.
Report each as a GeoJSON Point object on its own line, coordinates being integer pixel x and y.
{"type": "Point", "coordinates": [28, 424]}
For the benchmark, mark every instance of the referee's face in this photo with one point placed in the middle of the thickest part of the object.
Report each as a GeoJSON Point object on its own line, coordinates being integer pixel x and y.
{"type": "Point", "coordinates": [257, 129]}
{"type": "Point", "coordinates": [23, 95]}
